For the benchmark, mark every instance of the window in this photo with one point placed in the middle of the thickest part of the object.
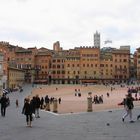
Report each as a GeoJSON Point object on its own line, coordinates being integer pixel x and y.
{"type": "Point", "coordinates": [124, 60]}
{"type": "Point", "coordinates": [58, 60]}
{"type": "Point", "coordinates": [101, 65]}
{"type": "Point", "coordinates": [63, 72]}
{"type": "Point", "coordinates": [58, 72]}
{"type": "Point", "coordinates": [63, 66]}
{"type": "Point", "coordinates": [58, 66]}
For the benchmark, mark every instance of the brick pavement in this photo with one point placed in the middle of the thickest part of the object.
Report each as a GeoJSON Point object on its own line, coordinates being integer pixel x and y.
{"type": "Point", "coordinates": [83, 126]}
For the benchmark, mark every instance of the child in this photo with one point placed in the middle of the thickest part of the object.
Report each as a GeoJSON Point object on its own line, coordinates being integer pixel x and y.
{"type": "Point", "coordinates": [16, 102]}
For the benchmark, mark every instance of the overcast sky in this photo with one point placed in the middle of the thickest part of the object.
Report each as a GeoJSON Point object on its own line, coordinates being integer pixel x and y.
{"type": "Point", "coordinates": [40, 23]}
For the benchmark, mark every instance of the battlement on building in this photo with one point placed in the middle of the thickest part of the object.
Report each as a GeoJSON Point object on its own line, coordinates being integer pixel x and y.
{"type": "Point", "coordinates": [4, 43]}
{"type": "Point", "coordinates": [86, 47]}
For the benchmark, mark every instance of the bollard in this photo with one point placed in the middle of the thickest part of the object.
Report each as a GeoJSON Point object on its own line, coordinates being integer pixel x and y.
{"type": "Point", "coordinates": [89, 108]}
{"type": "Point", "coordinates": [47, 107]}
{"type": "Point", "coordinates": [55, 106]}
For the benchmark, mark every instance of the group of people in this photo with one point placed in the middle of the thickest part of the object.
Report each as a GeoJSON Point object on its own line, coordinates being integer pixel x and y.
{"type": "Point", "coordinates": [31, 107]}
{"type": "Point", "coordinates": [98, 99]}
{"type": "Point", "coordinates": [77, 92]}
{"type": "Point", "coordinates": [51, 99]}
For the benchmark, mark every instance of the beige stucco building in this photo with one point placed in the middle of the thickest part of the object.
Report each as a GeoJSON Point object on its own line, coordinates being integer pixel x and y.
{"type": "Point", "coordinates": [15, 77]}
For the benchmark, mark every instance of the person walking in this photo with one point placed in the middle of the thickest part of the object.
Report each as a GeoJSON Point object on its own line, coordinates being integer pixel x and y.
{"type": "Point", "coordinates": [37, 106]}
{"type": "Point", "coordinates": [4, 103]}
{"type": "Point", "coordinates": [27, 110]}
{"type": "Point", "coordinates": [128, 105]}
{"type": "Point", "coordinates": [42, 103]}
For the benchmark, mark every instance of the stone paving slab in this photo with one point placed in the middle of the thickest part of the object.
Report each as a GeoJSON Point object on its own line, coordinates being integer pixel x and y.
{"type": "Point", "coordinates": [82, 126]}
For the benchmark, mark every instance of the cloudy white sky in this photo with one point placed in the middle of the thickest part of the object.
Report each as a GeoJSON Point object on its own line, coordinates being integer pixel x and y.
{"type": "Point", "coordinates": [40, 23]}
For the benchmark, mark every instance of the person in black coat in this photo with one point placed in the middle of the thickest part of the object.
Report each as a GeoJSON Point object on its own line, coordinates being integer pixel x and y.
{"type": "Point", "coordinates": [27, 110]}
{"type": "Point", "coordinates": [37, 106]}
{"type": "Point", "coordinates": [128, 105]}
{"type": "Point", "coordinates": [3, 102]}
{"type": "Point", "coordinates": [42, 103]}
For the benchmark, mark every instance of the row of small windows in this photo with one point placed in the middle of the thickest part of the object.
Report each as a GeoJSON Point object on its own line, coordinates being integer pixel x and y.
{"type": "Point", "coordinates": [58, 60]}
{"type": "Point", "coordinates": [120, 55]}
{"type": "Point", "coordinates": [89, 59]}
{"type": "Point", "coordinates": [23, 54]}
{"type": "Point", "coordinates": [90, 55]}
{"type": "Point", "coordinates": [44, 72]}
{"type": "Point", "coordinates": [105, 65]}
{"type": "Point", "coordinates": [73, 65]}
{"type": "Point", "coordinates": [25, 59]}
{"type": "Point", "coordinates": [120, 76]}
{"type": "Point", "coordinates": [74, 59]}
{"type": "Point", "coordinates": [120, 60]}
{"type": "Point", "coordinates": [106, 70]}
{"type": "Point", "coordinates": [58, 66]}
{"type": "Point", "coordinates": [44, 67]}
{"type": "Point", "coordinates": [58, 72]}
{"type": "Point", "coordinates": [92, 65]}
{"type": "Point", "coordinates": [106, 74]}
{"type": "Point", "coordinates": [121, 67]}
{"type": "Point", "coordinates": [16, 74]}
{"type": "Point", "coordinates": [84, 65]}
{"type": "Point", "coordinates": [88, 65]}
{"type": "Point", "coordinates": [70, 72]}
